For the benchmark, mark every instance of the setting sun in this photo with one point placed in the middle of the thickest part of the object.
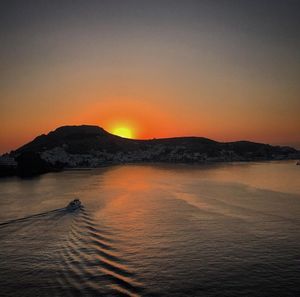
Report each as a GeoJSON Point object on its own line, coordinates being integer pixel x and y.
{"type": "Point", "coordinates": [123, 132]}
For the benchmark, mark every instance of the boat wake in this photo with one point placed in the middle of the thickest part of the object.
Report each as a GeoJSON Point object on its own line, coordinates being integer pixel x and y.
{"type": "Point", "coordinates": [91, 265]}
{"type": "Point", "coordinates": [39, 215]}
{"type": "Point", "coordinates": [62, 253]}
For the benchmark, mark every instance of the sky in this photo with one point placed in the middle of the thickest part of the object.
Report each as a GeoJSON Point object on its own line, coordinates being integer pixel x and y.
{"type": "Point", "coordinates": [226, 70]}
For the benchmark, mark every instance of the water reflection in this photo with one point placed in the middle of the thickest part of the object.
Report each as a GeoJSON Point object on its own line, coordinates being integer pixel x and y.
{"type": "Point", "coordinates": [162, 230]}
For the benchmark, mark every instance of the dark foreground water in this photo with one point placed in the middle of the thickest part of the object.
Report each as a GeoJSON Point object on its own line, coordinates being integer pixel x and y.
{"type": "Point", "coordinates": [153, 230]}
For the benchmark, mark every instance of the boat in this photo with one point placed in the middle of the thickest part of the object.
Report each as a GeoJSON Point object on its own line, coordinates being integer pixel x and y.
{"type": "Point", "coordinates": [73, 205]}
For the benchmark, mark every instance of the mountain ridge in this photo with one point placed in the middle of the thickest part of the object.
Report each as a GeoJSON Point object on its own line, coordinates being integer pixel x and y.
{"type": "Point", "coordinates": [92, 146]}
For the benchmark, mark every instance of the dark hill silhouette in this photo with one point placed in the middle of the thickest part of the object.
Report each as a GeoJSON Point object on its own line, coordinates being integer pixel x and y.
{"type": "Point", "coordinates": [92, 146]}
{"type": "Point", "coordinates": [79, 140]}
{"type": "Point", "coordinates": [82, 139]}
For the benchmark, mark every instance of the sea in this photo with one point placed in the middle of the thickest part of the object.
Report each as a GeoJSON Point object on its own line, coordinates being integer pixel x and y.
{"type": "Point", "coordinates": [227, 229]}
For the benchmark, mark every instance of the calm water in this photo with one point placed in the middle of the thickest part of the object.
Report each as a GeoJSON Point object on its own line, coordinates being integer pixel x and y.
{"type": "Point", "coordinates": [153, 230]}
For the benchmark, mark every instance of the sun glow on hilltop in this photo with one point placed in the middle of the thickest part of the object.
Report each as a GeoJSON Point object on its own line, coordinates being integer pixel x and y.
{"type": "Point", "coordinates": [123, 132]}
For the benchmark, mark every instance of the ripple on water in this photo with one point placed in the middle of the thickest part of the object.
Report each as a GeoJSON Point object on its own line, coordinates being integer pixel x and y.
{"type": "Point", "coordinates": [91, 262]}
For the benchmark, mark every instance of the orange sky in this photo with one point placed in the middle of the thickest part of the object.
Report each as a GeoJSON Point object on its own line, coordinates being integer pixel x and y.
{"type": "Point", "coordinates": [226, 73]}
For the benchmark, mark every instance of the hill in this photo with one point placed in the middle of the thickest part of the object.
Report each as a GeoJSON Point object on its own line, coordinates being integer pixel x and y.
{"type": "Point", "coordinates": [92, 146]}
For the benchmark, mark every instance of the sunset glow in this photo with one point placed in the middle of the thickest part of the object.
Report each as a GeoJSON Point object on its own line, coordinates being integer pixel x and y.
{"type": "Point", "coordinates": [190, 69]}
{"type": "Point", "coordinates": [149, 148]}
{"type": "Point", "coordinates": [123, 132]}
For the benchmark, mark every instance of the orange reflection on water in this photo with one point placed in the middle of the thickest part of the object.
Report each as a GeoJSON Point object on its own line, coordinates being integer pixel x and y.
{"type": "Point", "coordinates": [138, 198]}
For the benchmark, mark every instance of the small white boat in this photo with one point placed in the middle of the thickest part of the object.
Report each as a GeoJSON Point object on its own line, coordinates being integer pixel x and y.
{"type": "Point", "coordinates": [73, 205]}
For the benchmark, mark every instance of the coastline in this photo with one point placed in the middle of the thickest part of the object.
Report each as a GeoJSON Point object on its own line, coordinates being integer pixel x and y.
{"type": "Point", "coordinates": [13, 172]}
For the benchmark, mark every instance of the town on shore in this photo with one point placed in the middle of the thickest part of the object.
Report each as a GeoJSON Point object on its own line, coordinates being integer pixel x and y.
{"type": "Point", "coordinates": [91, 147]}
